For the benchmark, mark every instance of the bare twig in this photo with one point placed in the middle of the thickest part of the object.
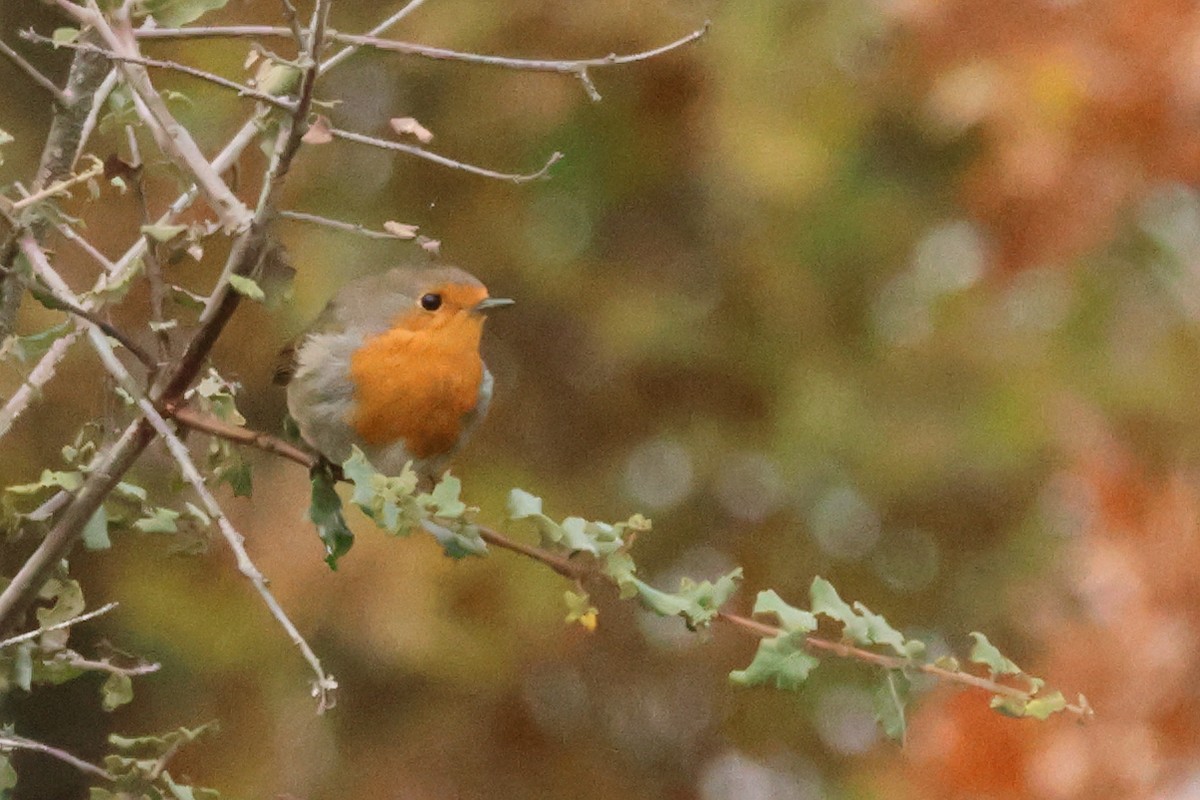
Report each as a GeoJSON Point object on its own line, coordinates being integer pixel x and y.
{"type": "Point", "coordinates": [324, 686]}
{"type": "Point", "coordinates": [103, 665]}
{"type": "Point", "coordinates": [68, 130]}
{"type": "Point", "coordinates": [59, 187]}
{"type": "Point", "coordinates": [348, 227]}
{"type": "Point", "coordinates": [154, 276]}
{"type": "Point", "coordinates": [24, 637]}
{"type": "Point", "coordinates": [173, 138]}
{"type": "Point", "coordinates": [246, 252]}
{"type": "Point", "coordinates": [61, 294]}
{"type": "Point", "coordinates": [577, 68]}
{"type": "Point", "coordinates": [413, 150]}
{"type": "Point", "coordinates": [33, 73]}
{"type": "Point", "coordinates": [175, 66]}
{"type": "Point", "coordinates": [11, 741]}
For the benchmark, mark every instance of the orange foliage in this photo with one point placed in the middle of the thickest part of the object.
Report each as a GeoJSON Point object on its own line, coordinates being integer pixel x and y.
{"type": "Point", "coordinates": [1081, 108]}
{"type": "Point", "coordinates": [1118, 621]}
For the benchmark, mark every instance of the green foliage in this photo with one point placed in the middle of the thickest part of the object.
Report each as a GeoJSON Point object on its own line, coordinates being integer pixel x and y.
{"type": "Point", "coordinates": [173, 13]}
{"type": "Point", "coordinates": [246, 287]}
{"type": "Point", "coordinates": [137, 767]}
{"type": "Point", "coordinates": [781, 659]}
{"type": "Point", "coordinates": [325, 511]}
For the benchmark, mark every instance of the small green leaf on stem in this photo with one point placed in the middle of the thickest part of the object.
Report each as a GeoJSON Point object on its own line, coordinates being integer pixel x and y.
{"type": "Point", "coordinates": [247, 288]}
{"type": "Point", "coordinates": [986, 653]}
{"type": "Point", "coordinates": [325, 511]}
{"type": "Point", "coordinates": [116, 691]}
{"type": "Point", "coordinates": [891, 698]}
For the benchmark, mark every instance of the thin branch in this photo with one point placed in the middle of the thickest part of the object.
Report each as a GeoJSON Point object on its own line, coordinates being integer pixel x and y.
{"type": "Point", "coordinates": [562, 566]}
{"type": "Point", "coordinates": [61, 294]}
{"type": "Point", "coordinates": [158, 63]}
{"type": "Point", "coordinates": [382, 27]}
{"type": "Point", "coordinates": [190, 418]}
{"type": "Point", "coordinates": [176, 143]}
{"type": "Point", "coordinates": [59, 187]}
{"type": "Point", "coordinates": [324, 686]}
{"type": "Point", "coordinates": [116, 460]}
{"type": "Point", "coordinates": [24, 637]}
{"type": "Point", "coordinates": [154, 275]}
{"type": "Point", "coordinates": [884, 661]}
{"type": "Point", "coordinates": [413, 150]}
{"type": "Point", "coordinates": [348, 227]}
{"type": "Point", "coordinates": [76, 660]}
{"type": "Point", "coordinates": [10, 741]}
{"type": "Point", "coordinates": [574, 67]}
{"type": "Point", "coordinates": [32, 72]}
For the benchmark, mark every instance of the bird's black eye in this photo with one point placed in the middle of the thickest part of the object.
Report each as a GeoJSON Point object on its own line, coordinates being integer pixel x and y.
{"type": "Point", "coordinates": [431, 302]}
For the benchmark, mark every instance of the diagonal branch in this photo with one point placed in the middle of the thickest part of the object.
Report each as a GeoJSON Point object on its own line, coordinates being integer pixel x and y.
{"type": "Point", "coordinates": [34, 74]}
{"type": "Point", "coordinates": [173, 138]}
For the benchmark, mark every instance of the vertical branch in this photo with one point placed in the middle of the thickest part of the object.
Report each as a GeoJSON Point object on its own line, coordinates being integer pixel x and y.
{"type": "Point", "coordinates": [154, 276]}
{"type": "Point", "coordinates": [63, 143]}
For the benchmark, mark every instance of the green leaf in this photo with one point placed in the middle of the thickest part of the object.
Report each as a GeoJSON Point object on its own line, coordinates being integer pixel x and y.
{"type": "Point", "coordinates": [891, 697]}
{"type": "Point", "coordinates": [880, 631]}
{"type": "Point", "coordinates": [697, 603]}
{"type": "Point", "coordinates": [68, 603]}
{"type": "Point", "coordinates": [116, 691]}
{"type": "Point", "coordinates": [445, 497]}
{"type": "Point", "coordinates": [163, 232]}
{"type": "Point", "coordinates": [8, 776]}
{"type": "Point", "coordinates": [458, 542]}
{"type": "Point", "coordinates": [986, 653]}
{"type": "Point", "coordinates": [325, 511]}
{"type": "Point", "coordinates": [174, 13]}
{"type": "Point", "coordinates": [23, 666]}
{"type": "Point", "coordinates": [64, 36]}
{"type": "Point", "coordinates": [791, 619]}
{"type": "Point", "coordinates": [826, 601]}
{"type": "Point", "coordinates": [1042, 707]}
{"type": "Point", "coordinates": [31, 347]}
{"type": "Point", "coordinates": [95, 533]}
{"type": "Point", "coordinates": [781, 660]}
{"type": "Point", "coordinates": [158, 520]}
{"type": "Point", "coordinates": [246, 287]}
{"type": "Point", "coordinates": [523, 505]}
{"type": "Point", "coordinates": [580, 609]}
{"type": "Point", "coordinates": [1008, 706]}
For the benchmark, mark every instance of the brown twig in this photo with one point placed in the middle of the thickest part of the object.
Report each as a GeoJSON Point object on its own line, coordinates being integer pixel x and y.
{"type": "Point", "coordinates": [190, 418]}
{"type": "Point", "coordinates": [888, 662]}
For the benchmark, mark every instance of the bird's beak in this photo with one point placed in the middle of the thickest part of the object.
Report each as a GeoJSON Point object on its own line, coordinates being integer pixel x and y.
{"type": "Point", "coordinates": [488, 303]}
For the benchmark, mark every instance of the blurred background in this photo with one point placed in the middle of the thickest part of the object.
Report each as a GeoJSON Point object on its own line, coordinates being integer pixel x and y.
{"type": "Point", "coordinates": [902, 293]}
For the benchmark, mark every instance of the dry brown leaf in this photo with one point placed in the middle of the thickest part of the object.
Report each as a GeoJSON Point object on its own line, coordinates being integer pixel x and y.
{"type": "Point", "coordinates": [318, 132]}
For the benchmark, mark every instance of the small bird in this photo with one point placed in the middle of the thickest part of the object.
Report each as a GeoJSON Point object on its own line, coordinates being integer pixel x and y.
{"type": "Point", "coordinates": [392, 365]}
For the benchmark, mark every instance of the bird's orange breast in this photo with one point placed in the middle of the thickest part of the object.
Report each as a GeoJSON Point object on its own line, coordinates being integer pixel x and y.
{"type": "Point", "coordinates": [416, 386]}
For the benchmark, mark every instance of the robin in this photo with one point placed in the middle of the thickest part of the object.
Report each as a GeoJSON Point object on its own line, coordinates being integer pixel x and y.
{"type": "Point", "coordinates": [392, 365]}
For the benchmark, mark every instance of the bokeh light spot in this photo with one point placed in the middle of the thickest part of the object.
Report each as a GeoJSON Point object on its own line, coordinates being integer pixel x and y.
{"type": "Point", "coordinates": [659, 473]}
{"type": "Point", "coordinates": [843, 523]}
